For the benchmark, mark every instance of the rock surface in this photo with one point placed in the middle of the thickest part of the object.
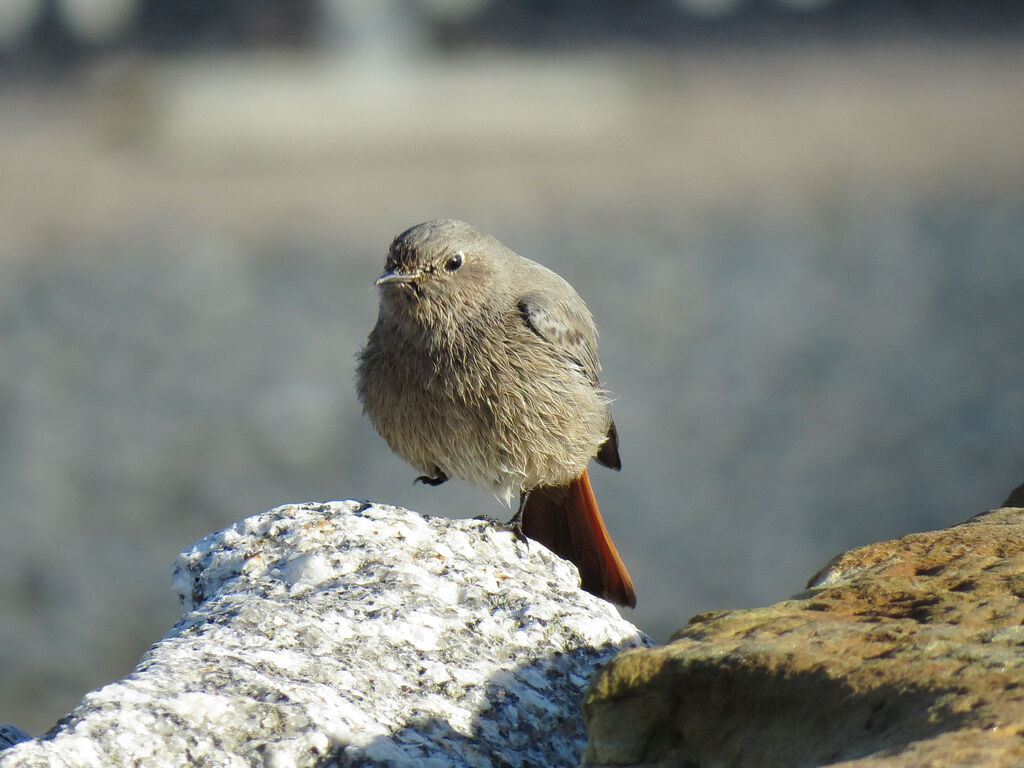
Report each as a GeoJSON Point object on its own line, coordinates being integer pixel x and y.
{"type": "Point", "coordinates": [901, 653]}
{"type": "Point", "coordinates": [354, 634]}
{"type": "Point", "coordinates": [12, 734]}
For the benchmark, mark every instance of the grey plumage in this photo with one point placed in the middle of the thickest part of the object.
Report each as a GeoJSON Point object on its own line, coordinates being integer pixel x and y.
{"type": "Point", "coordinates": [483, 365]}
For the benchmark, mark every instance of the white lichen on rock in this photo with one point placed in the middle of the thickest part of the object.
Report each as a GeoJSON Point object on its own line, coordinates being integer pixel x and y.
{"type": "Point", "coordinates": [354, 634]}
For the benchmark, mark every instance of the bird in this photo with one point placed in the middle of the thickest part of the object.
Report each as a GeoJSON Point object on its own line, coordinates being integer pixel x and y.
{"type": "Point", "coordinates": [483, 366]}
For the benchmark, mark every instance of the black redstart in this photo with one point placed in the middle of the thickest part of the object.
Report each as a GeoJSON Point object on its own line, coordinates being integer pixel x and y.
{"type": "Point", "coordinates": [483, 366]}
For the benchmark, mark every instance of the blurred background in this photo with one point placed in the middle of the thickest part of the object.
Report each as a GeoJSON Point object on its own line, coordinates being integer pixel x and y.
{"type": "Point", "coordinates": [799, 224]}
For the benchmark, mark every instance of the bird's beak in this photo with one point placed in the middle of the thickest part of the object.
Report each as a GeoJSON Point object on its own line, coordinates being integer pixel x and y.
{"type": "Point", "coordinates": [394, 276]}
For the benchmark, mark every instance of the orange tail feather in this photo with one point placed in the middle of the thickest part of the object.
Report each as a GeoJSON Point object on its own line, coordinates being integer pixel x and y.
{"type": "Point", "coordinates": [566, 520]}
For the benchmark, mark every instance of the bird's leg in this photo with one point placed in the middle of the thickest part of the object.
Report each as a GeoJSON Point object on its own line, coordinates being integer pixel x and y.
{"type": "Point", "coordinates": [435, 479]}
{"type": "Point", "coordinates": [516, 523]}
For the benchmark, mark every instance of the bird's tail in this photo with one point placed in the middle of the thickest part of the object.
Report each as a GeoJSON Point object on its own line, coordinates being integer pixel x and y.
{"type": "Point", "coordinates": [565, 519]}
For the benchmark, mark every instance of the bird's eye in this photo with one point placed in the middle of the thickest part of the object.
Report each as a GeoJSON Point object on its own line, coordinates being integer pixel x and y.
{"type": "Point", "coordinates": [454, 262]}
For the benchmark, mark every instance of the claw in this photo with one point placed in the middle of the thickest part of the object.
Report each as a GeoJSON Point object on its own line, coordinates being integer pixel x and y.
{"type": "Point", "coordinates": [513, 526]}
{"type": "Point", "coordinates": [435, 479]}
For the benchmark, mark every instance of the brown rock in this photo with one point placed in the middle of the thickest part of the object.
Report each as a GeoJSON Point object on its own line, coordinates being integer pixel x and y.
{"type": "Point", "coordinates": [1016, 497]}
{"type": "Point", "coordinates": [902, 653]}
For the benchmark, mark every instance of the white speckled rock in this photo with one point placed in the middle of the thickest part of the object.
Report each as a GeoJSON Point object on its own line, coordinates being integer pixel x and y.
{"type": "Point", "coordinates": [354, 634]}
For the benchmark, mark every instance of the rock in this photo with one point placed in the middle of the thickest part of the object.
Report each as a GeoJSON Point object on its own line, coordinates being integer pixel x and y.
{"type": "Point", "coordinates": [12, 734]}
{"type": "Point", "coordinates": [902, 653]}
{"type": "Point", "coordinates": [354, 634]}
{"type": "Point", "coordinates": [1016, 497]}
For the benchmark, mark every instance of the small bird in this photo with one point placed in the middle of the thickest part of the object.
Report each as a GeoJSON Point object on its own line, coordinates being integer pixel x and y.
{"type": "Point", "coordinates": [483, 366]}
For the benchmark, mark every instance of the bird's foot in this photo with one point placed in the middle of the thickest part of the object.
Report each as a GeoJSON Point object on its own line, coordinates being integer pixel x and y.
{"type": "Point", "coordinates": [433, 480]}
{"type": "Point", "coordinates": [516, 523]}
{"type": "Point", "coordinates": [516, 528]}
{"type": "Point", "coordinates": [513, 526]}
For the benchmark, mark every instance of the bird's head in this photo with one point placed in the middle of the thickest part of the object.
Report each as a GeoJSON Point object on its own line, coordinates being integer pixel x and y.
{"type": "Point", "coordinates": [439, 272]}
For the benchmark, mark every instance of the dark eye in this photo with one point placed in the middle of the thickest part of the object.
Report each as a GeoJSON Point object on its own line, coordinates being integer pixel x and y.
{"type": "Point", "coordinates": [454, 262]}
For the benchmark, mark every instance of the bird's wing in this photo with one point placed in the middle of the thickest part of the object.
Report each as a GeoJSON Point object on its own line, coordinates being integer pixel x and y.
{"type": "Point", "coordinates": [563, 321]}
{"type": "Point", "coordinates": [566, 325]}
